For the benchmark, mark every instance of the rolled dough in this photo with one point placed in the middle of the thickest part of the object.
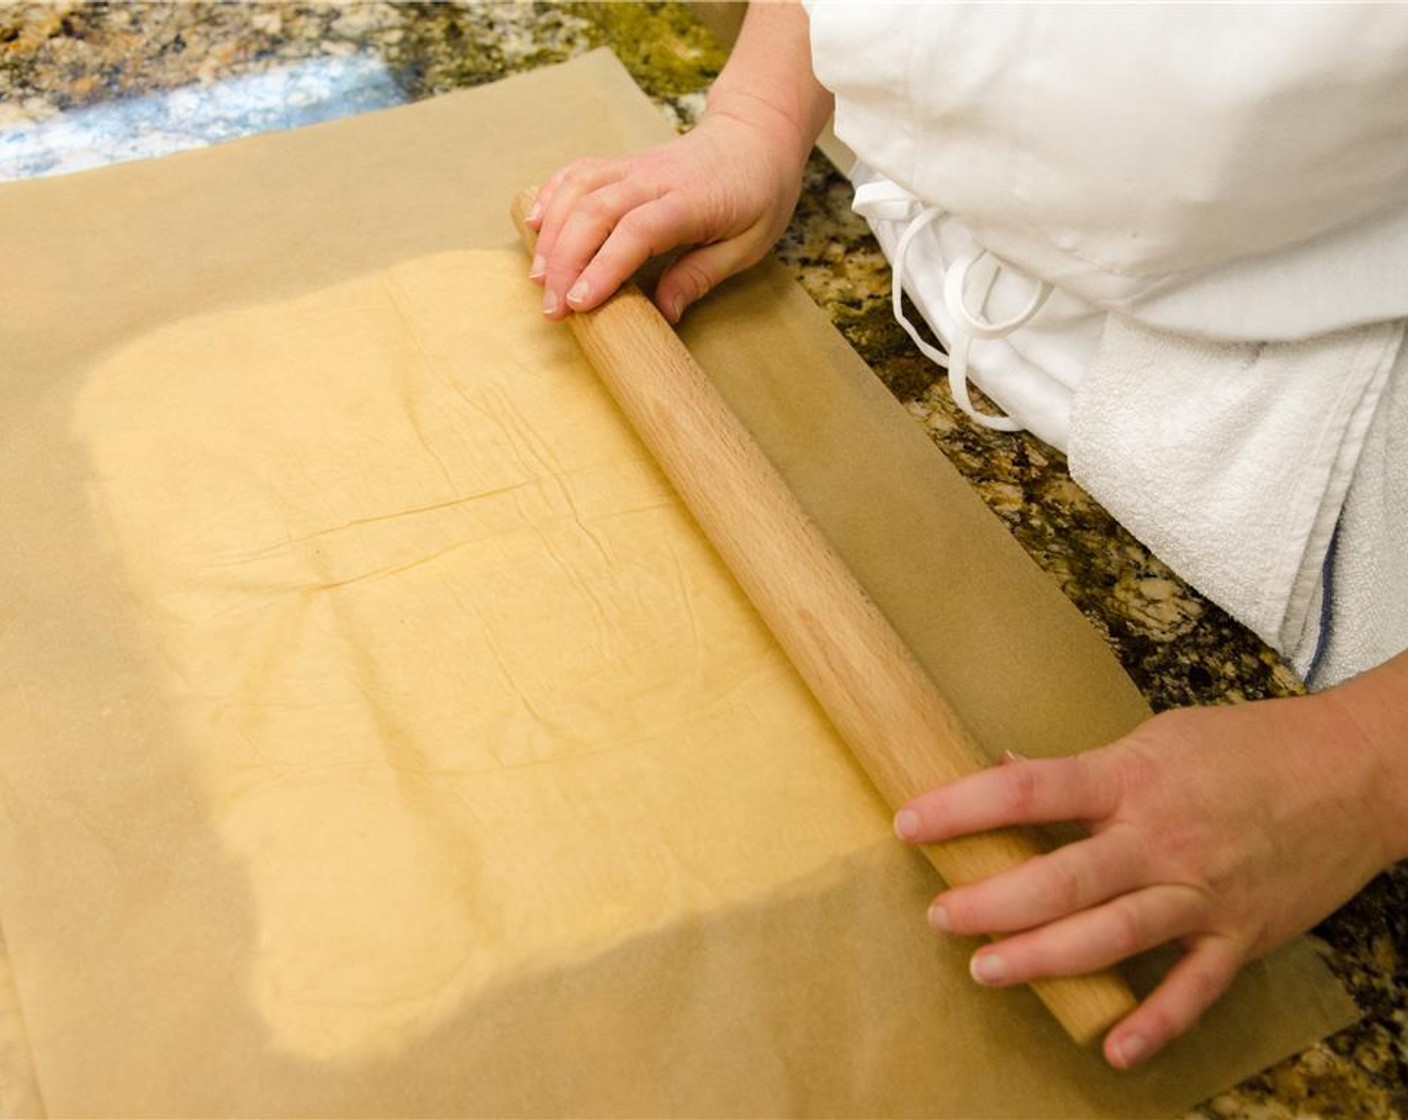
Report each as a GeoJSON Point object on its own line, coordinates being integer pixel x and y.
{"type": "Point", "coordinates": [466, 692]}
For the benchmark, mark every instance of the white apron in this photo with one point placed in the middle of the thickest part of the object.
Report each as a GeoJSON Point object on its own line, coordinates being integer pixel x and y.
{"type": "Point", "coordinates": [1173, 242]}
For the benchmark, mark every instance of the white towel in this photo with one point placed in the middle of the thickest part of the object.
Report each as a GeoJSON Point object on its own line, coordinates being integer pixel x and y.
{"type": "Point", "coordinates": [1232, 462]}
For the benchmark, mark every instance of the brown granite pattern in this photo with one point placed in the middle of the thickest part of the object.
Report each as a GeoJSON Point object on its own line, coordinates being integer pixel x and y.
{"type": "Point", "coordinates": [55, 58]}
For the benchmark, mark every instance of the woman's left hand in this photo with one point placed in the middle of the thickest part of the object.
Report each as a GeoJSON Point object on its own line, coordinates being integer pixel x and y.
{"type": "Point", "coordinates": [1228, 830]}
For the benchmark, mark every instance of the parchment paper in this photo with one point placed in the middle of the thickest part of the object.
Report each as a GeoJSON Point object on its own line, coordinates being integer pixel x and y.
{"type": "Point", "coordinates": [719, 924]}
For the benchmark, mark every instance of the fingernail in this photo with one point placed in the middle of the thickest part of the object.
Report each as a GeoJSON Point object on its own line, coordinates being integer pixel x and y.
{"type": "Point", "coordinates": [549, 302]}
{"type": "Point", "coordinates": [906, 824]}
{"type": "Point", "coordinates": [538, 267]}
{"type": "Point", "coordinates": [1130, 1050]}
{"type": "Point", "coordinates": [534, 212]}
{"type": "Point", "coordinates": [987, 968]}
{"type": "Point", "coordinates": [674, 309]}
{"type": "Point", "coordinates": [578, 292]}
{"type": "Point", "coordinates": [938, 919]}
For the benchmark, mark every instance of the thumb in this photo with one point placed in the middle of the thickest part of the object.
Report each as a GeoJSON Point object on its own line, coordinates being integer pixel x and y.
{"type": "Point", "coordinates": [698, 272]}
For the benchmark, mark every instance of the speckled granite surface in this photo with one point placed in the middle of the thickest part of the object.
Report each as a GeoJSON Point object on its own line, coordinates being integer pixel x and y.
{"type": "Point", "coordinates": [82, 84]}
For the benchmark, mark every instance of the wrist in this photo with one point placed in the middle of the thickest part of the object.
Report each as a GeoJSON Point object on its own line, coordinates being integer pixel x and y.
{"type": "Point", "coordinates": [768, 82]}
{"type": "Point", "coordinates": [777, 129]}
{"type": "Point", "coordinates": [1374, 707]}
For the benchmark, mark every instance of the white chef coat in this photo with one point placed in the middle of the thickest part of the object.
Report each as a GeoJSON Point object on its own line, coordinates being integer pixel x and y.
{"type": "Point", "coordinates": [1224, 173]}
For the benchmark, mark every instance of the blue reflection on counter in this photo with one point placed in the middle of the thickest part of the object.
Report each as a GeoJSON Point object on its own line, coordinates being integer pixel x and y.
{"type": "Point", "coordinates": [157, 124]}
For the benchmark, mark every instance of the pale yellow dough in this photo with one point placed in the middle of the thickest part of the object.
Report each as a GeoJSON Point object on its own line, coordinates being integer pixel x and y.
{"type": "Point", "coordinates": [468, 693]}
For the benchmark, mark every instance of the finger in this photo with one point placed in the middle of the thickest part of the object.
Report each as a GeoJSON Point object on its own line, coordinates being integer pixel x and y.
{"type": "Point", "coordinates": [1045, 888]}
{"type": "Point", "coordinates": [700, 271]}
{"type": "Point", "coordinates": [1016, 793]}
{"type": "Point", "coordinates": [546, 190]}
{"type": "Point", "coordinates": [549, 187]}
{"type": "Point", "coordinates": [1093, 939]}
{"type": "Point", "coordinates": [559, 198]}
{"type": "Point", "coordinates": [541, 197]}
{"type": "Point", "coordinates": [1193, 985]}
{"type": "Point", "coordinates": [582, 235]}
{"type": "Point", "coordinates": [642, 233]}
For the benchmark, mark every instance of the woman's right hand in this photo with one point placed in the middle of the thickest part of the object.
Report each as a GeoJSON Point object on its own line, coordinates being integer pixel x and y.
{"type": "Point", "coordinates": [726, 189]}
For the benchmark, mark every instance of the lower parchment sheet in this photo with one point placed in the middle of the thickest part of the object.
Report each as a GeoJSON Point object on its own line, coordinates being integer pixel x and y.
{"type": "Point", "coordinates": [378, 736]}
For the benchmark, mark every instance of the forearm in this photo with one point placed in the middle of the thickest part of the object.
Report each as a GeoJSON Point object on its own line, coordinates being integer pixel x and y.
{"type": "Point", "coordinates": [769, 79]}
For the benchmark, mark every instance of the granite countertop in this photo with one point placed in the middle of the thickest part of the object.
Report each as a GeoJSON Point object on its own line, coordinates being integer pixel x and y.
{"type": "Point", "coordinates": [85, 84]}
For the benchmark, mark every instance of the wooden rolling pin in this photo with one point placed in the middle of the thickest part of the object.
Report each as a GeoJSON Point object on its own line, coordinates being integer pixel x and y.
{"type": "Point", "coordinates": [883, 703]}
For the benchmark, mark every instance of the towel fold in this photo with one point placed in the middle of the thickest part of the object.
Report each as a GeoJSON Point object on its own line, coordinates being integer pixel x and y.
{"type": "Point", "coordinates": [1368, 579]}
{"type": "Point", "coordinates": [1234, 461]}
